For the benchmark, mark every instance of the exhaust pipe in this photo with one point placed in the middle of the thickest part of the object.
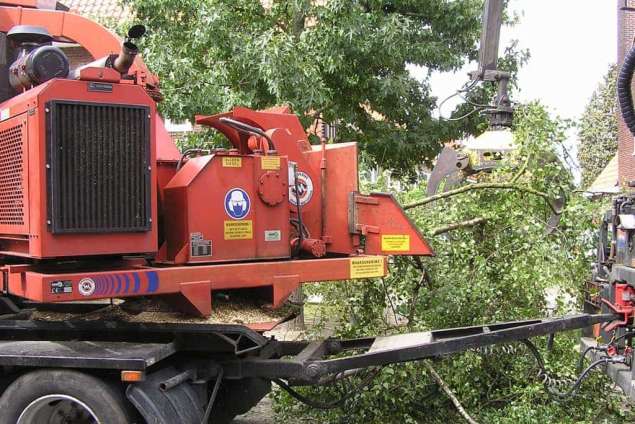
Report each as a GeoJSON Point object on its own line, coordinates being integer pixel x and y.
{"type": "Point", "coordinates": [124, 61]}
{"type": "Point", "coordinates": [121, 62]}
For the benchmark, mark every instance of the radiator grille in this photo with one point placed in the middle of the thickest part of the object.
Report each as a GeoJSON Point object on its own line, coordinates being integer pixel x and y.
{"type": "Point", "coordinates": [11, 176]}
{"type": "Point", "coordinates": [99, 177]}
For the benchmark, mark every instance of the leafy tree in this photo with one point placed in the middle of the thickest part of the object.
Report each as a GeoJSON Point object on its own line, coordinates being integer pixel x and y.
{"type": "Point", "coordinates": [340, 60]}
{"type": "Point", "coordinates": [496, 266]}
{"type": "Point", "coordinates": [598, 129]}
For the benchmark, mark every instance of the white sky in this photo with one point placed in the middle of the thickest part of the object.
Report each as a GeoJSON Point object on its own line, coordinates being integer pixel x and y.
{"type": "Point", "coordinates": [571, 42]}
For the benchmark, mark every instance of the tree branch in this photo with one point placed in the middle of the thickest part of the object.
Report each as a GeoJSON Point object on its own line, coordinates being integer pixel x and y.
{"type": "Point", "coordinates": [414, 297]}
{"type": "Point", "coordinates": [458, 225]}
{"type": "Point", "coordinates": [482, 186]}
{"type": "Point", "coordinates": [521, 171]}
{"type": "Point", "coordinates": [448, 392]}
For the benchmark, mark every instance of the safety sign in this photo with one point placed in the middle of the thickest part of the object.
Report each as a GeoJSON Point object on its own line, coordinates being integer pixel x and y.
{"type": "Point", "coordinates": [237, 203]}
{"type": "Point", "coordinates": [305, 188]}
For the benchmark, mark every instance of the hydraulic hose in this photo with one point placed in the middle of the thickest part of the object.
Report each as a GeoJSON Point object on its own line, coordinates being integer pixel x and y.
{"type": "Point", "coordinates": [624, 93]}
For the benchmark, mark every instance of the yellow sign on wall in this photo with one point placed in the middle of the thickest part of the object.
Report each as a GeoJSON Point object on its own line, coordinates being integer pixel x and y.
{"type": "Point", "coordinates": [232, 162]}
{"type": "Point", "coordinates": [238, 230]}
{"type": "Point", "coordinates": [270, 163]}
{"type": "Point", "coordinates": [368, 267]}
{"type": "Point", "coordinates": [395, 243]}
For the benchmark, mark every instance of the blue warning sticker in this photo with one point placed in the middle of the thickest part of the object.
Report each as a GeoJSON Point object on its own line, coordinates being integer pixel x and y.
{"type": "Point", "coordinates": [237, 203]}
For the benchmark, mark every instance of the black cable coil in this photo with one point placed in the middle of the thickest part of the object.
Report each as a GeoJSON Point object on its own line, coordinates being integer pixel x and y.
{"type": "Point", "coordinates": [624, 93]}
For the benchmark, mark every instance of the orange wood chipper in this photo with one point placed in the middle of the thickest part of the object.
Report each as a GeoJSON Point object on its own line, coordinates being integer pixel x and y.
{"type": "Point", "coordinates": [96, 201]}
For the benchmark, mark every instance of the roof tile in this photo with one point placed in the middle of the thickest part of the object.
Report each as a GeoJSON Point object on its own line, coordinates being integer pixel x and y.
{"type": "Point", "coordinates": [97, 8]}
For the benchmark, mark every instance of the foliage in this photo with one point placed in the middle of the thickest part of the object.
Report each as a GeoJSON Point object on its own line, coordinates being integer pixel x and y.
{"type": "Point", "coordinates": [598, 129]}
{"type": "Point", "coordinates": [339, 60]}
{"type": "Point", "coordinates": [498, 271]}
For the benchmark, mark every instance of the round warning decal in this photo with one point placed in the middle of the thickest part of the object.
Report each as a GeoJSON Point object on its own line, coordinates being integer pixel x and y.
{"type": "Point", "coordinates": [86, 287]}
{"type": "Point", "coordinates": [305, 189]}
{"type": "Point", "coordinates": [237, 203]}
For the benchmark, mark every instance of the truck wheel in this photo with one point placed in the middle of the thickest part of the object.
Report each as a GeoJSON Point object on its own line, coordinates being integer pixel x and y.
{"type": "Point", "coordinates": [61, 396]}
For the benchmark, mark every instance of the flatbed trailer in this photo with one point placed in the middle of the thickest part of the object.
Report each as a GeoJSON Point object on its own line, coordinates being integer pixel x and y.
{"type": "Point", "coordinates": [199, 373]}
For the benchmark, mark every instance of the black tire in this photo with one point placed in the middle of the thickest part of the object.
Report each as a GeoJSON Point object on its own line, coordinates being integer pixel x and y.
{"type": "Point", "coordinates": [106, 401]}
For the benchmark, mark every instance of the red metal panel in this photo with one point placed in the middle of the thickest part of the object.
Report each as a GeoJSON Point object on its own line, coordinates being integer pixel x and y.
{"type": "Point", "coordinates": [40, 242]}
{"type": "Point", "coordinates": [291, 141]}
{"type": "Point", "coordinates": [387, 228]}
{"type": "Point", "coordinates": [196, 205]}
{"type": "Point", "coordinates": [341, 181]}
{"type": "Point", "coordinates": [282, 276]}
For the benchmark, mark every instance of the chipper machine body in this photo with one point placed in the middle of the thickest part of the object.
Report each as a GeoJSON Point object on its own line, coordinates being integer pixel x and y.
{"type": "Point", "coordinates": [96, 201]}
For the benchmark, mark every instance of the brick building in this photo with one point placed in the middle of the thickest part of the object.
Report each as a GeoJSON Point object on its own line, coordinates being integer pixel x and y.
{"type": "Point", "coordinates": [98, 10]}
{"type": "Point", "coordinates": [625, 36]}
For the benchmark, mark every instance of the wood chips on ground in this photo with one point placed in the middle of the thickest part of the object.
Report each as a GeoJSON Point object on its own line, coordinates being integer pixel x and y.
{"type": "Point", "coordinates": [237, 311]}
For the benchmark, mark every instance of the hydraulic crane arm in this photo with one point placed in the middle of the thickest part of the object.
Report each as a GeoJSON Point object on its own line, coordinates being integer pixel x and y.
{"type": "Point", "coordinates": [490, 37]}
{"type": "Point", "coordinates": [501, 113]}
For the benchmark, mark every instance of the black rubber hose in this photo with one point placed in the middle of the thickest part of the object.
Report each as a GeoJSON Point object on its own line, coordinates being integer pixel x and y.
{"type": "Point", "coordinates": [329, 404]}
{"type": "Point", "coordinates": [298, 206]}
{"type": "Point", "coordinates": [624, 93]}
{"type": "Point", "coordinates": [573, 389]}
{"type": "Point", "coordinates": [246, 128]}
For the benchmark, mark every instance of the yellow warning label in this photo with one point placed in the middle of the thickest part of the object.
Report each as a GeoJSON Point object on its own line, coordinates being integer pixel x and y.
{"type": "Point", "coordinates": [367, 267]}
{"type": "Point", "coordinates": [395, 243]}
{"type": "Point", "coordinates": [232, 162]}
{"type": "Point", "coordinates": [238, 230]}
{"type": "Point", "coordinates": [270, 162]}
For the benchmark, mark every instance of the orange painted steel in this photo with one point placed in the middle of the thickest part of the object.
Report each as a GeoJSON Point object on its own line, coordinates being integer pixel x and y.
{"type": "Point", "coordinates": [194, 283]}
{"type": "Point", "coordinates": [67, 26]}
{"type": "Point", "coordinates": [33, 237]}
{"type": "Point", "coordinates": [263, 233]}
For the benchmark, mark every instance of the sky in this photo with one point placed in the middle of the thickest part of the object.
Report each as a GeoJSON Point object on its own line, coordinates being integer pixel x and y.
{"type": "Point", "coordinates": [571, 42]}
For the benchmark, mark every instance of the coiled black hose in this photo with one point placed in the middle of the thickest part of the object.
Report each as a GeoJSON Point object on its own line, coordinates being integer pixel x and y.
{"type": "Point", "coordinates": [624, 93]}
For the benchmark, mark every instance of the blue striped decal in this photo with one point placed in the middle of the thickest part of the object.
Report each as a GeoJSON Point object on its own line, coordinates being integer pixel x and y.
{"type": "Point", "coordinates": [153, 281]}
{"type": "Point", "coordinates": [102, 285]}
{"type": "Point", "coordinates": [137, 282]}
{"type": "Point", "coordinates": [118, 284]}
{"type": "Point", "coordinates": [111, 284]}
{"type": "Point", "coordinates": [125, 276]}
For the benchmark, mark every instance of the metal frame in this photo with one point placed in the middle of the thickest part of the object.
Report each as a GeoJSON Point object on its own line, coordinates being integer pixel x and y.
{"type": "Point", "coordinates": [244, 353]}
{"type": "Point", "coordinates": [194, 283]}
{"type": "Point", "coordinates": [311, 361]}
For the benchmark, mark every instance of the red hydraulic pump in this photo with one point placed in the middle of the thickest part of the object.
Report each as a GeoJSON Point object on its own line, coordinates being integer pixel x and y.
{"type": "Point", "coordinates": [96, 201]}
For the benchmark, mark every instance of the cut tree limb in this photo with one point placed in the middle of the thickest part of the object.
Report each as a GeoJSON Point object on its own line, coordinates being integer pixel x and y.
{"type": "Point", "coordinates": [484, 186]}
{"type": "Point", "coordinates": [448, 392]}
{"type": "Point", "coordinates": [465, 224]}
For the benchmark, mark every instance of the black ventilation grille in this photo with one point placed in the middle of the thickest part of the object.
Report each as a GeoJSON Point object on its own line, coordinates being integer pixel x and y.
{"type": "Point", "coordinates": [98, 167]}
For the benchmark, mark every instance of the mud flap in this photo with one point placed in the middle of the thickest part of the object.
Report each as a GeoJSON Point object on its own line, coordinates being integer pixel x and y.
{"type": "Point", "coordinates": [181, 404]}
